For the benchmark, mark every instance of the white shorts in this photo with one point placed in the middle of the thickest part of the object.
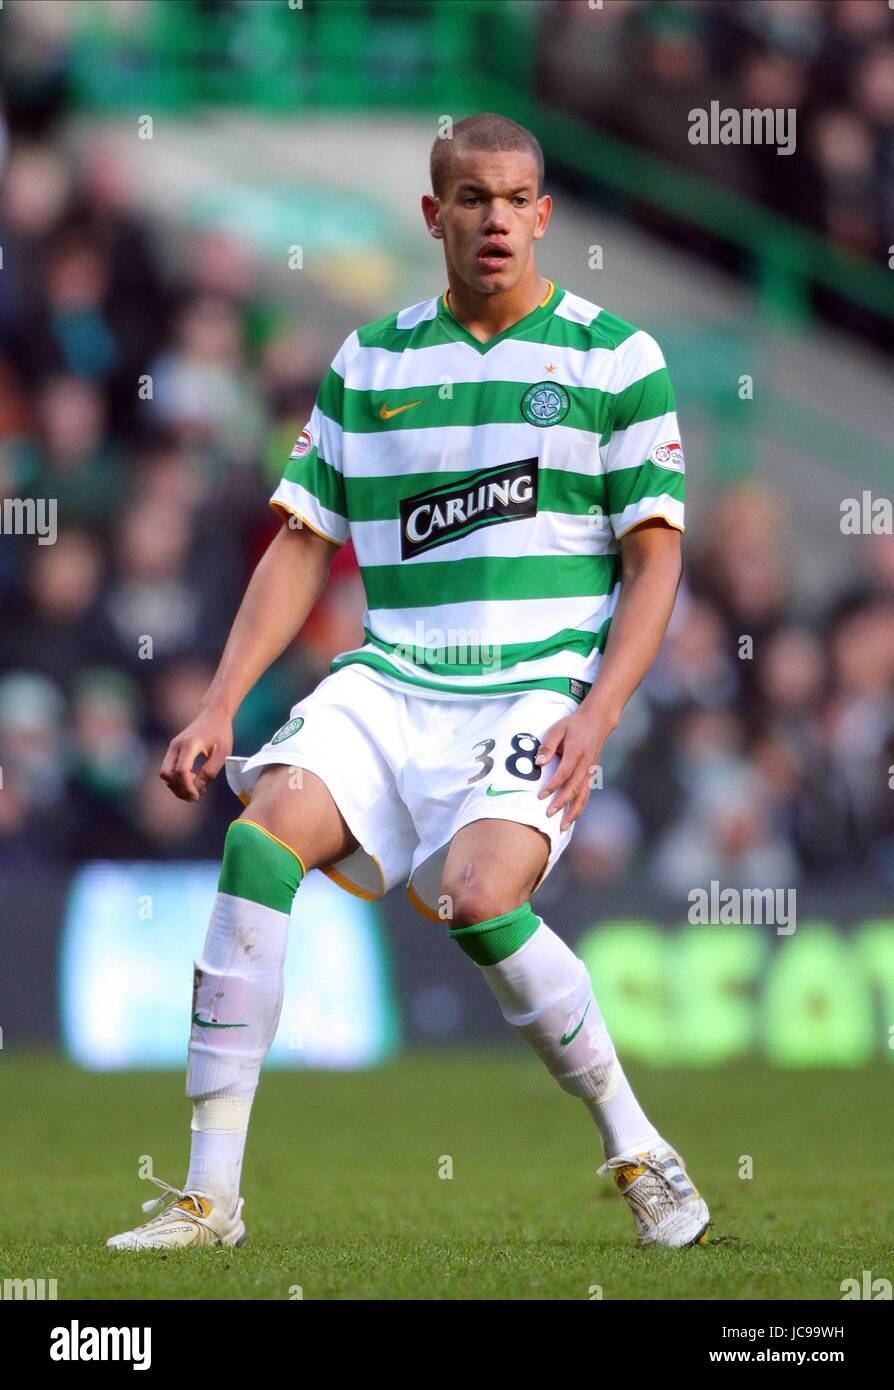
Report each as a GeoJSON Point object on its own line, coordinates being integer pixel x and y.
{"type": "Point", "coordinates": [408, 772]}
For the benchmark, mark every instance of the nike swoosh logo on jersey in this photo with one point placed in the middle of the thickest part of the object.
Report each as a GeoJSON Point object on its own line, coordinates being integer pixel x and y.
{"type": "Point", "coordinates": [386, 414]}
{"type": "Point", "coordinates": [512, 791]}
{"type": "Point", "coordinates": [566, 1038]}
{"type": "Point", "coordinates": [209, 1023]}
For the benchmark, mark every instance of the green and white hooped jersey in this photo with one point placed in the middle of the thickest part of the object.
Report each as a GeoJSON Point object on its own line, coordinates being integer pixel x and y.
{"type": "Point", "coordinates": [485, 488]}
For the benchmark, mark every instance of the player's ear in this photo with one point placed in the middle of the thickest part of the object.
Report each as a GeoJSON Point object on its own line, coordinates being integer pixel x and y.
{"type": "Point", "coordinates": [544, 213]}
{"type": "Point", "coordinates": [431, 209]}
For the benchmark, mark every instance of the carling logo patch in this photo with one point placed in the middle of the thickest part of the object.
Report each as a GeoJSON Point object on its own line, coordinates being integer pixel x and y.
{"type": "Point", "coordinates": [487, 498]}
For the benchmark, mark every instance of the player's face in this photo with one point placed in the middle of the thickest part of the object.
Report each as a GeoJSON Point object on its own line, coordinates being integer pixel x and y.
{"type": "Point", "coordinates": [490, 217]}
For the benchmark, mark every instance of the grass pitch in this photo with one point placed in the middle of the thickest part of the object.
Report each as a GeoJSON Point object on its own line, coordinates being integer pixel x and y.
{"type": "Point", "coordinates": [343, 1198]}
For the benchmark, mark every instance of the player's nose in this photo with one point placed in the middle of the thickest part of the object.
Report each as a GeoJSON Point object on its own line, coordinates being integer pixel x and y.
{"type": "Point", "coordinates": [497, 220]}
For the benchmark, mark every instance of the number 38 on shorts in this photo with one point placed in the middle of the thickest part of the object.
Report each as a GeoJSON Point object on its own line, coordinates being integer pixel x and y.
{"type": "Point", "coordinates": [520, 762]}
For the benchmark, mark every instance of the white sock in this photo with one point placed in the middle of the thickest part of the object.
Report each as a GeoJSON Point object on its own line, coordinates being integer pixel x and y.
{"type": "Point", "coordinates": [544, 991]}
{"type": "Point", "coordinates": [237, 1000]}
{"type": "Point", "coordinates": [623, 1125]}
{"type": "Point", "coordinates": [219, 1132]}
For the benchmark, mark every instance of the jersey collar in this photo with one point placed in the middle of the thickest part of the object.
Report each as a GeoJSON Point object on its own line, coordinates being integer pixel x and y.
{"type": "Point", "coordinates": [547, 306]}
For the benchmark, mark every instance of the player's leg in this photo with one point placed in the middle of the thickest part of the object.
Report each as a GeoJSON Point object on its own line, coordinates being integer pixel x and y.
{"type": "Point", "coordinates": [297, 807]}
{"type": "Point", "coordinates": [291, 826]}
{"type": "Point", "coordinates": [542, 987]}
{"type": "Point", "coordinates": [544, 991]}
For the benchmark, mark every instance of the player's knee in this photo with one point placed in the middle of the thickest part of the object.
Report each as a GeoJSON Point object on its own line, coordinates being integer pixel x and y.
{"type": "Point", "coordinates": [470, 904]}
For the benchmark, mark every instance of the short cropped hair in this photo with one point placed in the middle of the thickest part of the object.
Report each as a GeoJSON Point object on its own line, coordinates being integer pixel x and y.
{"type": "Point", "coordinates": [487, 131]}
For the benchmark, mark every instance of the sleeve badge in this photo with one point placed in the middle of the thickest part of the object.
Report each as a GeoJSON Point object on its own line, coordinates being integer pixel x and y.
{"type": "Point", "coordinates": [303, 445]}
{"type": "Point", "coordinates": [669, 455]}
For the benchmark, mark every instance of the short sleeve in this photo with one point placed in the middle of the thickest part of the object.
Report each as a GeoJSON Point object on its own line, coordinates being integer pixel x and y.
{"type": "Point", "coordinates": [312, 487]}
{"type": "Point", "coordinates": [643, 454]}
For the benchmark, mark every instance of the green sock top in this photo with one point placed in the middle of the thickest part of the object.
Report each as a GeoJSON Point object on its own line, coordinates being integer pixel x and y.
{"type": "Point", "coordinates": [492, 941]}
{"type": "Point", "coordinates": [259, 867]}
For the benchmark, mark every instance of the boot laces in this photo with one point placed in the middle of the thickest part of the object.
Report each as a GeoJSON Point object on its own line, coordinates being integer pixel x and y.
{"type": "Point", "coordinates": [181, 1194]}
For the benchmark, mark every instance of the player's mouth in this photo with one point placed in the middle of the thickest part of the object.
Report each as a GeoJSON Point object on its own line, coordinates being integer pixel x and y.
{"type": "Point", "coordinates": [493, 255]}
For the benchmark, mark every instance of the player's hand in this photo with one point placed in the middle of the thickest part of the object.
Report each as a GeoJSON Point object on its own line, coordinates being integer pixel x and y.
{"type": "Point", "coordinates": [578, 740]}
{"type": "Point", "coordinates": [209, 736]}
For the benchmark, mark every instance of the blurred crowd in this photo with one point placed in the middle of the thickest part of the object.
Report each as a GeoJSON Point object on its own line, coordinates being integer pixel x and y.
{"type": "Point", "coordinates": [156, 397]}
{"type": "Point", "coordinates": [830, 60]}
{"type": "Point", "coordinates": [157, 408]}
{"type": "Point", "coordinates": [759, 750]}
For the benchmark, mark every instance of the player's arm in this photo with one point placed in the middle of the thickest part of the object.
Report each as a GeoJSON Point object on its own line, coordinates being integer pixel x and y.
{"type": "Point", "coordinates": [286, 584]}
{"type": "Point", "coordinates": [651, 567]}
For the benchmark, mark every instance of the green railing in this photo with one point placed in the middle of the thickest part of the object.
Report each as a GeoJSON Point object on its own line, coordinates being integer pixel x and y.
{"type": "Point", "coordinates": [279, 56]}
